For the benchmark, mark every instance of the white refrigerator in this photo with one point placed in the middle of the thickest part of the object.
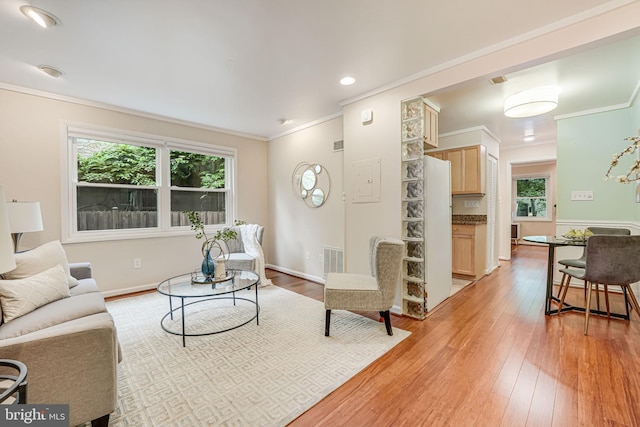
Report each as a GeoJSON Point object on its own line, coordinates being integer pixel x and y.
{"type": "Point", "coordinates": [437, 241]}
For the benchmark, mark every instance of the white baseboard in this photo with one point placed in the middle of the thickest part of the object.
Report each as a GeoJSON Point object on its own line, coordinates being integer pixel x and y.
{"type": "Point", "coordinates": [130, 290]}
{"type": "Point", "coordinates": [297, 273]}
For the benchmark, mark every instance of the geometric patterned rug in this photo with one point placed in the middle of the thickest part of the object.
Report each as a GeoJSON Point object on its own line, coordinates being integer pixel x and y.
{"type": "Point", "coordinates": [256, 375]}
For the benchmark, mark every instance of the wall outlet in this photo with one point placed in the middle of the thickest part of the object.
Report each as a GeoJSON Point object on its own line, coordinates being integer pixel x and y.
{"type": "Point", "coordinates": [307, 255]}
{"type": "Point", "coordinates": [471, 204]}
{"type": "Point", "coordinates": [137, 263]}
{"type": "Point", "coordinates": [586, 195]}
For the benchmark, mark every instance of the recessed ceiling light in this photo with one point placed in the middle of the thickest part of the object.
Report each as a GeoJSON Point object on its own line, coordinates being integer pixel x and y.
{"type": "Point", "coordinates": [346, 81]}
{"type": "Point", "coordinates": [52, 71]}
{"type": "Point", "coordinates": [529, 138]}
{"type": "Point", "coordinates": [40, 17]}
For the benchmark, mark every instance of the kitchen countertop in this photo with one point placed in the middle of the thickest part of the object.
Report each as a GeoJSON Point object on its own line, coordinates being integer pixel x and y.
{"type": "Point", "coordinates": [468, 219]}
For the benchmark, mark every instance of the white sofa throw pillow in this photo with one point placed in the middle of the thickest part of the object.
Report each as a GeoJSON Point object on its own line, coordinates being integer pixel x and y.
{"type": "Point", "coordinates": [40, 259]}
{"type": "Point", "coordinates": [21, 296]}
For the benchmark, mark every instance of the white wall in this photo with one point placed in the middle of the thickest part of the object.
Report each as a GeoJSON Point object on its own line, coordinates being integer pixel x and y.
{"type": "Point", "coordinates": [30, 144]}
{"type": "Point", "coordinates": [381, 139]}
{"type": "Point", "coordinates": [302, 229]}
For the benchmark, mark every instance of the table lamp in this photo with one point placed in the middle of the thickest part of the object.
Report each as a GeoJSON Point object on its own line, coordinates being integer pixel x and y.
{"type": "Point", "coordinates": [24, 217]}
{"type": "Point", "coordinates": [7, 259]}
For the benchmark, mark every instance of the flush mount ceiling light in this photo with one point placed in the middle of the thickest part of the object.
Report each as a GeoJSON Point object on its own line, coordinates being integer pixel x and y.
{"type": "Point", "coordinates": [346, 81]}
{"type": "Point", "coordinates": [52, 71]}
{"type": "Point", "coordinates": [532, 102]}
{"type": "Point", "coordinates": [40, 17]}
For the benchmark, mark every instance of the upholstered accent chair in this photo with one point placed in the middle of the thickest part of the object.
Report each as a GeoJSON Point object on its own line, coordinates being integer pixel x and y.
{"type": "Point", "coordinates": [239, 259]}
{"type": "Point", "coordinates": [580, 262]}
{"type": "Point", "coordinates": [610, 260]}
{"type": "Point", "coordinates": [375, 292]}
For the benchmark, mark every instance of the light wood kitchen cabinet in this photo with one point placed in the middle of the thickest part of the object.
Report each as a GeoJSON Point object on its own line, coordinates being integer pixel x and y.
{"type": "Point", "coordinates": [467, 168]}
{"type": "Point", "coordinates": [468, 250]}
{"type": "Point", "coordinates": [430, 134]}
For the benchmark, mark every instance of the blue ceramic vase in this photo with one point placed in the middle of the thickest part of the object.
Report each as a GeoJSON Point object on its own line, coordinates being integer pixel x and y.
{"type": "Point", "coordinates": [208, 265]}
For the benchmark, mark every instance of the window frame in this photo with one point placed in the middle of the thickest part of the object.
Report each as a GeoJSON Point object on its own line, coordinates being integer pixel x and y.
{"type": "Point", "coordinates": [547, 193]}
{"type": "Point", "coordinates": [163, 146]}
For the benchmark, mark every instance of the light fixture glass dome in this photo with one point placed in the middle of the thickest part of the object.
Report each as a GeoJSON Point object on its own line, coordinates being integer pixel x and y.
{"type": "Point", "coordinates": [39, 16]}
{"type": "Point", "coordinates": [531, 102]}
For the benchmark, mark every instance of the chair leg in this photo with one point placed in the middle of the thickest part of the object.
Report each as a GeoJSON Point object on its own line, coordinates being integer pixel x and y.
{"type": "Point", "coordinates": [327, 321]}
{"type": "Point", "coordinates": [586, 311]}
{"type": "Point", "coordinates": [387, 322]}
{"type": "Point", "coordinates": [606, 300]}
{"type": "Point", "coordinates": [564, 276]}
{"type": "Point", "coordinates": [103, 421]}
{"type": "Point", "coordinates": [597, 296]}
{"type": "Point", "coordinates": [634, 301]}
{"type": "Point", "coordinates": [564, 292]}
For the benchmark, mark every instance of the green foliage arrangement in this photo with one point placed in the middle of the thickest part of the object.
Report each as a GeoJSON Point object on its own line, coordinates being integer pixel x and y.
{"type": "Point", "coordinates": [223, 235]}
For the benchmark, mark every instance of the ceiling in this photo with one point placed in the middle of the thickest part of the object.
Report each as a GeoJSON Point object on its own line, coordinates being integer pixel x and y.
{"type": "Point", "coordinates": [243, 65]}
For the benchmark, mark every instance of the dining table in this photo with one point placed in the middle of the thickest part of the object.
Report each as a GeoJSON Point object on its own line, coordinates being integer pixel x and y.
{"type": "Point", "coordinates": [553, 242]}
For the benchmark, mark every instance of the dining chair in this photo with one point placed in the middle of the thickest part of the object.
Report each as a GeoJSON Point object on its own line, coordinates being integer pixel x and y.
{"type": "Point", "coordinates": [610, 260]}
{"type": "Point", "coordinates": [374, 292]}
{"type": "Point", "coordinates": [580, 262]}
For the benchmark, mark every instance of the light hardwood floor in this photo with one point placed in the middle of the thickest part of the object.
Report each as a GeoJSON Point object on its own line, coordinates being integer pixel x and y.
{"type": "Point", "coordinates": [489, 356]}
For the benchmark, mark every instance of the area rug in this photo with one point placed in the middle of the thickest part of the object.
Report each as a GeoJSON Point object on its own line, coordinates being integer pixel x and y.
{"type": "Point", "coordinates": [256, 375]}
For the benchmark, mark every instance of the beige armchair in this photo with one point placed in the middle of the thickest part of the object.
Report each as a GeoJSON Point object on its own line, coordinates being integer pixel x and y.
{"type": "Point", "coordinates": [375, 292]}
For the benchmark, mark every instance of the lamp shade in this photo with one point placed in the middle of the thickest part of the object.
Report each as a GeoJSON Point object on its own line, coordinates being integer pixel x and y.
{"type": "Point", "coordinates": [531, 102]}
{"type": "Point", "coordinates": [7, 259]}
{"type": "Point", "coordinates": [24, 217]}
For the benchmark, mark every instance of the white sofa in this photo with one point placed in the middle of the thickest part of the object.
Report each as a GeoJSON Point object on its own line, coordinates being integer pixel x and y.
{"type": "Point", "coordinates": [70, 348]}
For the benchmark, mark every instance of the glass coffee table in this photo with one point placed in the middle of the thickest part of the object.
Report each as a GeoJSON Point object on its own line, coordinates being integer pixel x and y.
{"type": "Point", "coordinates": [192, 286]}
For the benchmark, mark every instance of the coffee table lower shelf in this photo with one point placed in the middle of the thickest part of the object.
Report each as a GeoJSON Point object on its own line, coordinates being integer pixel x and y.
{"type": "Point", "coordinates": [183, 332]}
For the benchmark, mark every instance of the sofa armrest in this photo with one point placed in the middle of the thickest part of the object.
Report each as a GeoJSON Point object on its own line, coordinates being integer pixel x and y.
{"type": "Point", "coordinates": [73, 363]}
{"type": "Point", "coordinates": [80, 270]}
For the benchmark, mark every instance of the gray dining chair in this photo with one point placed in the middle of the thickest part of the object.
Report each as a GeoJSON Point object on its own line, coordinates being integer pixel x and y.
{"type": "Point", "coordinates": [374, 292]}
{"type": "Point", "coordinates": [610, 260]}
{"type": "Point", "coordinates": [580, 262]}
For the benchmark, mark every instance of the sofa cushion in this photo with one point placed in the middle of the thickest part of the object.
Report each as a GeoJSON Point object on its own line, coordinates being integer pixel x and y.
{"type": "Point", "coordinates": [54, 313]}
{"type": "Point", "coordinates": [21, 296]}
{"type": "Point", "coordinates": [240, 261]}
{"type": "Point", "coordinates": [40, 259]}
{"type": "Point", "coordinates": [85, 286]}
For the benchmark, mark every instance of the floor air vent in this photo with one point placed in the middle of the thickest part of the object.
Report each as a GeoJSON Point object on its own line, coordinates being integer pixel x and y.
{"type": "Point", "coordinates": [333, 260]}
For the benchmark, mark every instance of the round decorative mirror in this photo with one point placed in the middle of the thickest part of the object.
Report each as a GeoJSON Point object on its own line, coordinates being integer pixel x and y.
{"type": "Point", "coordinates": [317, 197]}
{"type": "Point", "coordinates": [311, 183]}
{"type": "Point", "coordinates": [308, 179]}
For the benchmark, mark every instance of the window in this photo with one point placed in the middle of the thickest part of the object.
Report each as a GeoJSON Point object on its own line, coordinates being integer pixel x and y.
{"type": "Point", "coordinates": [531, 195]}
{"type": "Point", "coordinates": [127, 186]}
